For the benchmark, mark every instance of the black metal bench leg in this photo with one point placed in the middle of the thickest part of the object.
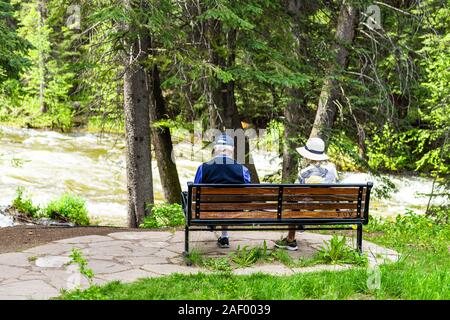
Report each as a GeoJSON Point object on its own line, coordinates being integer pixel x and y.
{"type": "Point", "coordinates": [186, 245]}
{"type": "Point", "coordinates": [186, 240]}
{"type": "Point", "coordinates": [359, 234]}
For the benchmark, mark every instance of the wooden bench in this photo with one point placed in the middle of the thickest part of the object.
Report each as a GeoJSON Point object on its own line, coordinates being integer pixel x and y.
{"type": "Point", "coordinates": [276, 205]}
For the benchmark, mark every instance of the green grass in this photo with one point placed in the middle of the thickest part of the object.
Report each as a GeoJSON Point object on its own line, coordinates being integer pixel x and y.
{"type": "Point", "coordinates": [423, 272]}
{"type": "Point", "coordinates": [334, 251]}
{"type": "Point", "coordinates": [423, 279]}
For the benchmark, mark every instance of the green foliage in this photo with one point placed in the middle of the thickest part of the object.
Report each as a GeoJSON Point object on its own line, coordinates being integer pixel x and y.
{"type": "Point", "coordinates": [217, 264]}
{"type": "Point", "coordinates": [68, 208]}
{"type": "Point", "coordinates": [164, 215]}
{"type": "Point", "coordinates": [77, 258]}
{"type": "Point", "coordinates": [390, 150]}
{"type": "Point", "coordinates": [195, 257]}
{"type": "Point", "coordinates": [245, 257]}
{"type": "Point", "coordinates": [431, 232]}
{"type": "Point", "coordinates": [440, 214]}
{"type": "Point", "coordinates": [24, 205]}
{"type": "Point", "coordinates": [13, 46]}
{"type": "Point", "coordinates": [392, 116]}
{"type": "Point", "coordinates": [283, 257]}
{"type": "Point", "coordinates": [336, 251]}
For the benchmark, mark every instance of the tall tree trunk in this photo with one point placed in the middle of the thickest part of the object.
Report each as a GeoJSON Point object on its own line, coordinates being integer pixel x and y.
{"type": "Point", "coordinates": [137, 127]}
{"type": "Point", "coordinates": [292, 115]}
{"type": "Point", "coordinates": [42, 10]}
{"type": "Point", "coordinates": [162, 142]}
{"type": "Point", "coordinates": [330, 94]}
{"type": "Point", "coordinates": [223, 104]}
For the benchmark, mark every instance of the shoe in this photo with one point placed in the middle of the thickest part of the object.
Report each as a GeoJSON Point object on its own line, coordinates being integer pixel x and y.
{"type": "Point", "coordinates": [285, 244]}
{"type": "Point", "coordinates": [223, 242]}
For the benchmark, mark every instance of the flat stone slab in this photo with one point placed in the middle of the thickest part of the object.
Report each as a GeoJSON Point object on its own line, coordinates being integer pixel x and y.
{"type": "Point", "coordinates": [31, 289]}
{"type": "Point", "coordinates": [128, 276]}
{"type": "Point", "coordinates": [54, 248]}
{"type": "Point", "coordinates": [154, 235]}
{"type": "Point", "coordinates": [84, 239]}
{"type": "Point", "coordinates": [102, 266]}
{"type": "Point", "coordinates": [11, 272]}
{"type": "Point", "coordinates": [67, 279]}
{"type": "Point", "coordinates": [111, 251]}
{"type": "Point", "coordinates": [17, 259]}
{"type": "Point", "coordinates": [41, 272]}
{"type": "Point", "coordinates": [52, 261]}
{"type": "Point", "coordinates": [140, 261]}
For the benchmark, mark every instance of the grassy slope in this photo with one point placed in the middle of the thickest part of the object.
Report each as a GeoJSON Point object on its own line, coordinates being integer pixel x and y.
{"type": "Point", "coordinates": [422, 273]}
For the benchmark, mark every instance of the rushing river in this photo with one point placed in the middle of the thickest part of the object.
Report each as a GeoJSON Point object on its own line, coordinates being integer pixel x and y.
{"type": "Point", "coordinates": [48, 164]}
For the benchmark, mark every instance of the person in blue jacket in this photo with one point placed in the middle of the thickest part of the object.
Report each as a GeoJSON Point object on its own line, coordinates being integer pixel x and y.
{"type": "Point", "coordinates": [222, 169]}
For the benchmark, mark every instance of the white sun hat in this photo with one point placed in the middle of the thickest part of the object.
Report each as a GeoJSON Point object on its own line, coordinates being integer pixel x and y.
{"type": "Point", "coordinates": [314, 150]}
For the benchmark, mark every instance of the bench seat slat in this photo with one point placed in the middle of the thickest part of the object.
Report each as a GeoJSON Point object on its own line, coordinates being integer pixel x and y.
{"type": "Point", "coordinates": [273, 205]}
{"type": "Point", "coordinates": [273, 215]}
{"type": "Point", "coordinates": [205, 198]}
{"type": "Point", "coordinates": [237, 191]}
{"type": "Point", "coordinates": [262, 197]}
{"type": "Point", "coordinates": [321, 191]}
{"type": "Point", "coordinates": [321, 197]}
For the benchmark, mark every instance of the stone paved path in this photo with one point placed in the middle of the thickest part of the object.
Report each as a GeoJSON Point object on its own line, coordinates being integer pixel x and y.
{"type": "Point", "coordinates": [41, 272]}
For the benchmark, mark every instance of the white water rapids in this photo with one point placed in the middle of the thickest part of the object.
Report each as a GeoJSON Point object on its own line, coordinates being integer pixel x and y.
{"type": "Point", "coordinates": [48, 164]}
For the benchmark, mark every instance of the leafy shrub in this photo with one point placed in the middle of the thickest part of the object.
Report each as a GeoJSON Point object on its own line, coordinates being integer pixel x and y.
{"type": "Point", "coordinates": [336, 251]}
{"type": "Point", "coordinates": [68, 208]}
{"type": "Point", "coordinates": [164, 215]}
{"type": "Point", "coordinates": [24, 205]}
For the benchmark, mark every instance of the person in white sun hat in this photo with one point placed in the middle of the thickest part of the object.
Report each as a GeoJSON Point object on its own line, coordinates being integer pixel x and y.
{"type": "Point", "coordinates": [317, 169]}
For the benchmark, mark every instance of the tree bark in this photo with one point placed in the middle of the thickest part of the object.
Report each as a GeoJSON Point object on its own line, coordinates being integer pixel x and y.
{"type": "Point", "coordinates": [330, 94]}
{"type": "Point", "coordinates": [162, 142]}
{"type": "Point", "coordinates": [137, 127]}
{"type": "Point", "coordinates": [223, 109]}
{"type": "Point", "coordinates": [292, 115]}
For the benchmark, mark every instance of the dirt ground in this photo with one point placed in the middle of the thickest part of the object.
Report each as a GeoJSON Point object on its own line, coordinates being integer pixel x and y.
{"type": "Point", "coordinates": [20, 238]}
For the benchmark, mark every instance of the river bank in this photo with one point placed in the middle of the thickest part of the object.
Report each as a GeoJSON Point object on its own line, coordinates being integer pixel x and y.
{"type": "Point", "coordinates": [92, 165]}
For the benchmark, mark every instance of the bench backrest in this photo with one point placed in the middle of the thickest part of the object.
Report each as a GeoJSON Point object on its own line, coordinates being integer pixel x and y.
{"type": "Point", "coordinates": [275, 202]}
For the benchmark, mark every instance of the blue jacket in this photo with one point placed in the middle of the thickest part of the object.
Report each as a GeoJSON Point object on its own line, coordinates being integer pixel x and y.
{"type": "Point", "coordinates": [222, 170]}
